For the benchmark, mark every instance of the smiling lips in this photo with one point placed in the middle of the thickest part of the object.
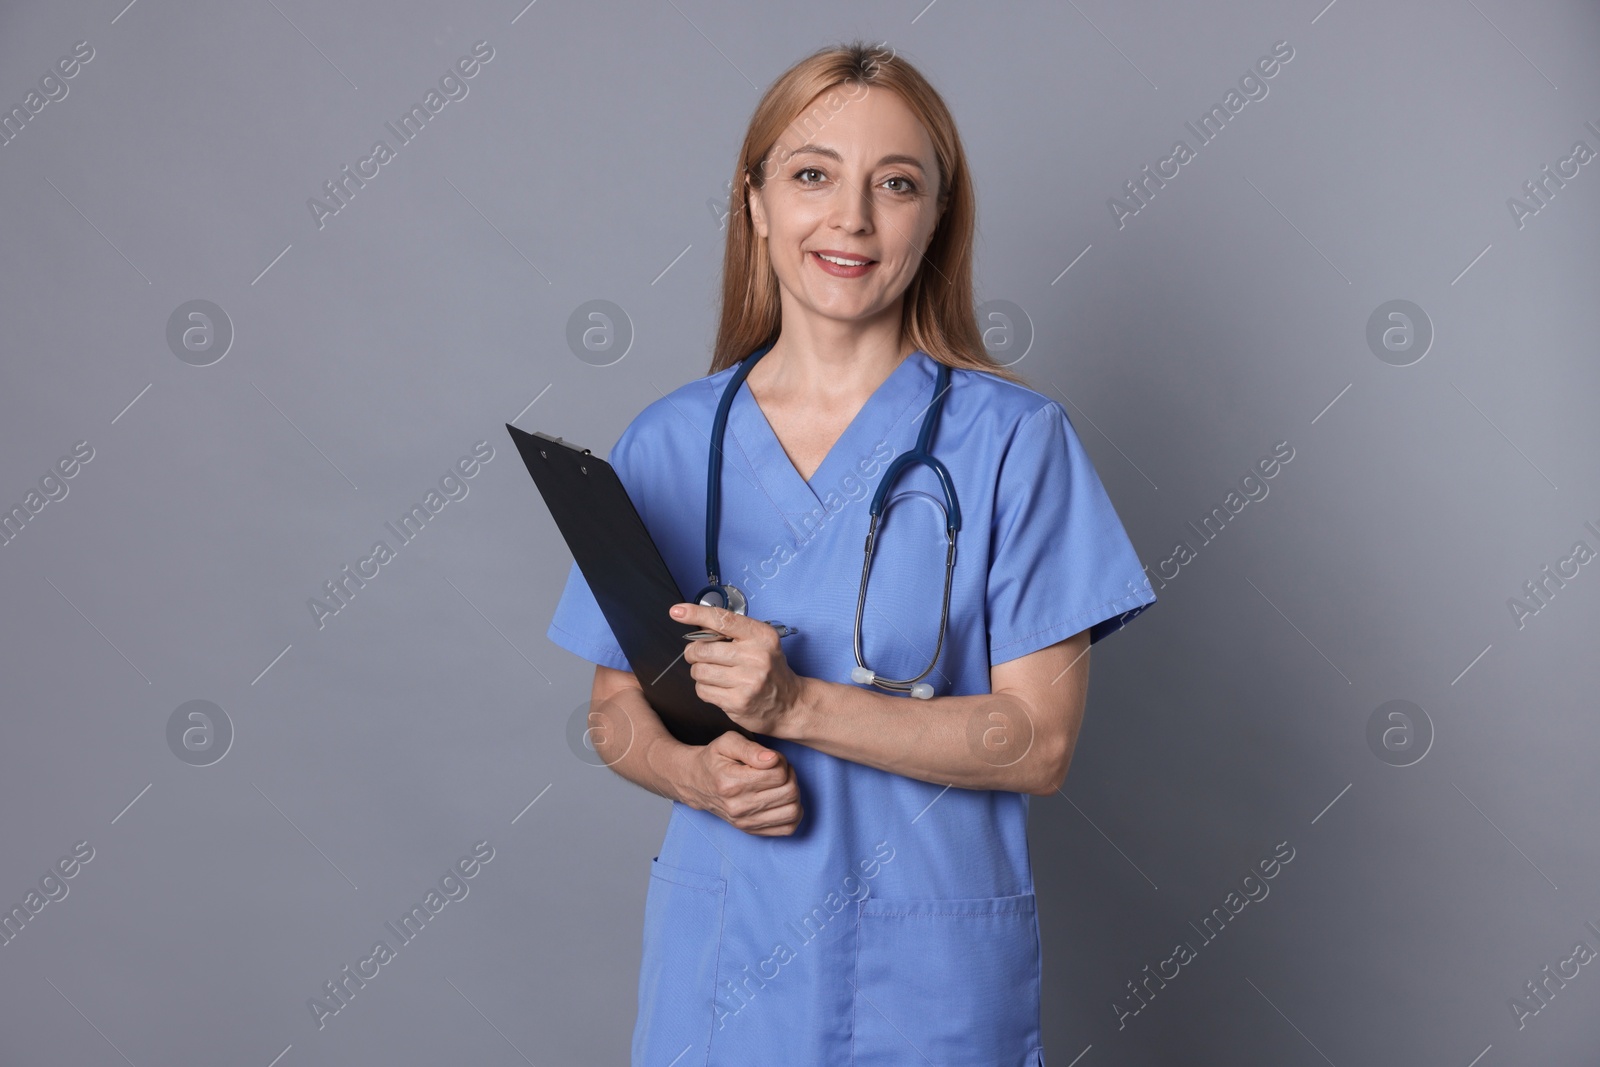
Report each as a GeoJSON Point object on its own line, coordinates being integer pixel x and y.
{"type": "Point", "coordinates": [842, 264]}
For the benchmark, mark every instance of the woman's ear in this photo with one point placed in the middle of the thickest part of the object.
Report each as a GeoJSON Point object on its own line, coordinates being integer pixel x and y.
{"type": "Point", "coordinates": [938, 221]}
{"type": "Point", "coordinates": [758, 215]}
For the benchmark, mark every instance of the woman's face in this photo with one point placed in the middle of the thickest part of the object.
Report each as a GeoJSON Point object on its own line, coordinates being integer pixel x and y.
{"type": "Point", "coordinates": [859, 184]}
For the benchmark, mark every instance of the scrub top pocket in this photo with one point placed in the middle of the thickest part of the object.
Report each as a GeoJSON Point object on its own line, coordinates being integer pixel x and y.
{"type": "Point", "coordinates": [947, 982]}
{"type": "Point", "coordinates": [678, 969]}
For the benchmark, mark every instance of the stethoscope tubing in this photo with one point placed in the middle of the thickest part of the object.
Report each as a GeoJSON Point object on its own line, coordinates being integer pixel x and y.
{"type": "Point", "coordinates": [732, 598]}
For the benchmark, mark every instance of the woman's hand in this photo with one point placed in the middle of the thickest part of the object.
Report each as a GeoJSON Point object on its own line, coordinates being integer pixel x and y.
{"type": "Point", "coordinates": [746, 676]}
{"type": "Point", "coordinates": [744, 783]}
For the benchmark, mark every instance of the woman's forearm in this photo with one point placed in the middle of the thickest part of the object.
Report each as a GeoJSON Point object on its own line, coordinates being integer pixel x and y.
{"type": "Point", "coordinates": [980, 741]}
{"type": "Point", "coordinates": [632, 740]}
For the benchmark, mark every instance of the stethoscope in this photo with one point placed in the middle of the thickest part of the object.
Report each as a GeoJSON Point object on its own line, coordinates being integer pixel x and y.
{"type": "Point", "coordinates": [727, 595]}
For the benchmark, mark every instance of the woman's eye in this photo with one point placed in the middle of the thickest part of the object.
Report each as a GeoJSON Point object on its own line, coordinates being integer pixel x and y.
{"type": "Point", "coordinates": [802, 172]}
{"type": "Point", "coordinates": [907, 184]}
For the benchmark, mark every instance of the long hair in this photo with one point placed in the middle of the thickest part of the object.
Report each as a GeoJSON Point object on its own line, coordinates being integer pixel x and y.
{"type": "Point", "coordinates": [937, 314]}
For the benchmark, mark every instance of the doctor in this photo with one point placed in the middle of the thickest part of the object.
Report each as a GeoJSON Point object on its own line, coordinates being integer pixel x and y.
{"type": "Point", "coordinates": [855, 889]}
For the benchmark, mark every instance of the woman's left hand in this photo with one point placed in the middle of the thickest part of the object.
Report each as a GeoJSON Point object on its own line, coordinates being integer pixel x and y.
{"type": "Point", "coordinates": [747, 675]}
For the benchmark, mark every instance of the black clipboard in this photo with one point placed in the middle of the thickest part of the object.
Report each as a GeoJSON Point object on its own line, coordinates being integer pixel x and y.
{"type": "Point", "coordinates": [629, 579]}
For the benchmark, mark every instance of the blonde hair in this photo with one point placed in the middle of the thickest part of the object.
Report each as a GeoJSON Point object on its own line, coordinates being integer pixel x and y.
{"type": "Point", "coordinates": [937, 313]}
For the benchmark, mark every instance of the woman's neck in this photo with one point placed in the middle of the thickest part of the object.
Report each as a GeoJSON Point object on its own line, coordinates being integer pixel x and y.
{"type": "Point", "coordinates": [829, 362]}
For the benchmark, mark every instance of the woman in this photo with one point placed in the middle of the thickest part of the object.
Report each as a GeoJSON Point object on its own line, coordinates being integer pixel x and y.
{"type": "Point", "coordinates": [855, 887]}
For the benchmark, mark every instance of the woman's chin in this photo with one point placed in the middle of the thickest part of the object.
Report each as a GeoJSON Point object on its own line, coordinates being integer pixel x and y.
{"type": "Point", "coordinates": [840, 307]}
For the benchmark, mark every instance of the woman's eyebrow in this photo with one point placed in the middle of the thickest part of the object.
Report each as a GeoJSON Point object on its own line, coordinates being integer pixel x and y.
{"type": "Point", "coordinates": [817, 150]}
{"type": "Point", "coordinates": [912, 160]}
{"type": "Point", "coordinates": [822, 150]}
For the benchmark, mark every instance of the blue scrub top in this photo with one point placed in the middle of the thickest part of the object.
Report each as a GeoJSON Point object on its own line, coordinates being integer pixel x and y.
{"type": "Point", "coordinates": [897, 924]}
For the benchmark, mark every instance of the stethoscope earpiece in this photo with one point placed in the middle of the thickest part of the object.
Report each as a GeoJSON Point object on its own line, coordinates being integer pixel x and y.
{"type": "Point", "coordinates": [863, 676]}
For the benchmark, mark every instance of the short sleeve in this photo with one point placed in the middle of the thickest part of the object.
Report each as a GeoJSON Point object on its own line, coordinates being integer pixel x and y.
{"type": "Point", "coordinates": [1060, 561]}
{"type": "Point", "coordinates": [578, 625]}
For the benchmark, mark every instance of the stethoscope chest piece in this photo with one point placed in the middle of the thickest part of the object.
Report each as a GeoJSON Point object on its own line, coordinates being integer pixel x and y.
{"type": "Point", "coordinates": [727, 596]}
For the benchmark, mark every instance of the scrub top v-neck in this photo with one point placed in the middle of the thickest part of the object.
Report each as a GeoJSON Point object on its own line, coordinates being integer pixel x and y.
{"type": "Point", "coordinates": [898, 923]}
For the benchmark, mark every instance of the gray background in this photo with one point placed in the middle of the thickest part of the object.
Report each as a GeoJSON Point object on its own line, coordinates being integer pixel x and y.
{"type": "Point", "coordinates": [369, 355]}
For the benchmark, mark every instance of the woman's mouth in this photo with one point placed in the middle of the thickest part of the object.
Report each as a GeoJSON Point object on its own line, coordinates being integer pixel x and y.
{"type": "Point", "coordinates": [842, 265]}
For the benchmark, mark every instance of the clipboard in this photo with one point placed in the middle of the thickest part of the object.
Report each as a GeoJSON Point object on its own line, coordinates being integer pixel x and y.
{"type": "Point", "coordinates": [629, 579]}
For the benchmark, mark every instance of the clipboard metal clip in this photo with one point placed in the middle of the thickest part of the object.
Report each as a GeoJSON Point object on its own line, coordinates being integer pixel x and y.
{"type": "Point", "coordinates": [559, 441]}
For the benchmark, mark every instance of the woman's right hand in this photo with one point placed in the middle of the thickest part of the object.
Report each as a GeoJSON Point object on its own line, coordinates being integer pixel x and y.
{"type": "Point", "coordinates": [744, 783]}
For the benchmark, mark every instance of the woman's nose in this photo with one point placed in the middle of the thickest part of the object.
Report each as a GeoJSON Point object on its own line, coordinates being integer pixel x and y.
{"type": "Point", "coordinates": [852, 207]}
